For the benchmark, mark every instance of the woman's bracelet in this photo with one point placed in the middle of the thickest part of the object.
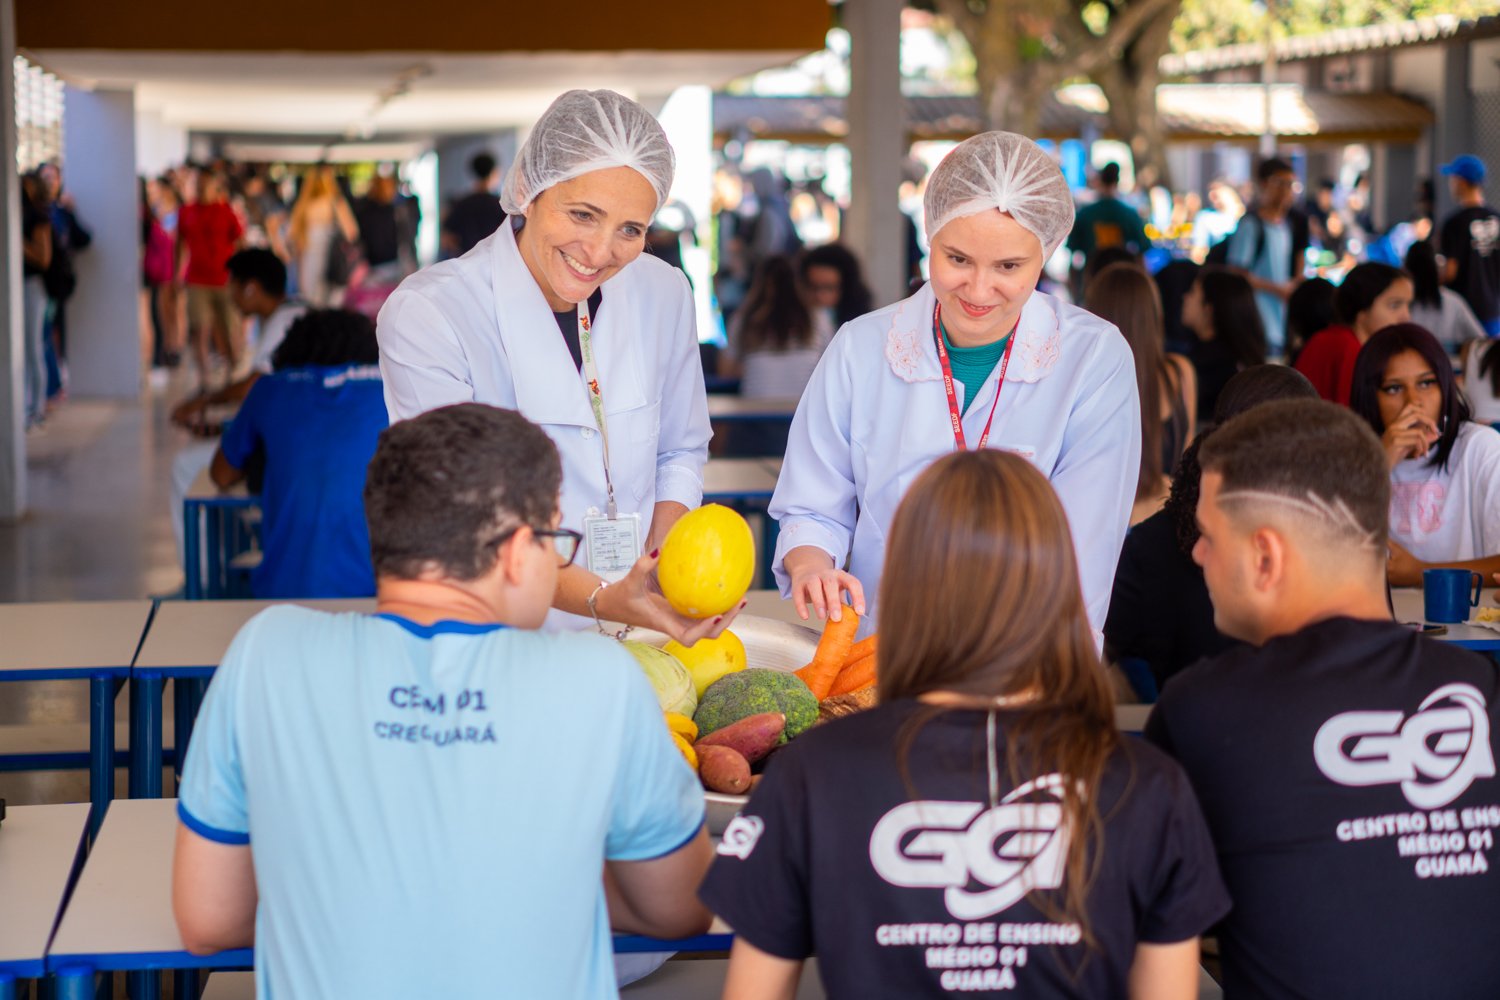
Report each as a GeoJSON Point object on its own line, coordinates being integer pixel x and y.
{"type": "Point", "coordinates": [594, 610]}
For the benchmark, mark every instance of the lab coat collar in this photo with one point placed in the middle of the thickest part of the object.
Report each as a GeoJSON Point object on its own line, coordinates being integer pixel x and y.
{"type": "Point", "coordinates": [548, 386]}
{"type": "Point", "coordinates": [910, 352]}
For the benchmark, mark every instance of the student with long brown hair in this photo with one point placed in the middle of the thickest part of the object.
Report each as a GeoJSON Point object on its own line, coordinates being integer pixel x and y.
{"type": "Point", "coordinates": [1126, 296]}
{"type": "Point", "coordinates": [984, 827]}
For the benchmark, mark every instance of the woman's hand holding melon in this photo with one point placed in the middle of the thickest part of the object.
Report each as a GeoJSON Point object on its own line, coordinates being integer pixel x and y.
{"type": "Point", "coordinates": [637, 600]}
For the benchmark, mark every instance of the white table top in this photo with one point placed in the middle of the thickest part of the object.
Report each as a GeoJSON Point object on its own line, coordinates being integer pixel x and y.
{"type": "Point", "coordinates": [731, 407]}
{"type": "Point", "coordinates": [123, 900]}
{"type": "Point", "coordinates": [71, 636]}
{"type": "Point", "coordinates": [38, 845]}
{"type": "Point", "coordinates": [197, 633]}
{"type": "Point", "coordinates": [735, 476]}
{"type": "Point", "coordinates": [1408, 605]}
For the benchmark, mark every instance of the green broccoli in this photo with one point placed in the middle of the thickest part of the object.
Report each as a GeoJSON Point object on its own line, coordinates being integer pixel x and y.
{"type": "Point", "coordinates": [749, 692]}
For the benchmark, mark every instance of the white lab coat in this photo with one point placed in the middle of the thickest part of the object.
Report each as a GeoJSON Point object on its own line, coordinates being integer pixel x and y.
{"type": "Point", "coordinates": [875, 415]}
{"type": "Point", "coordinates": [478, 329]}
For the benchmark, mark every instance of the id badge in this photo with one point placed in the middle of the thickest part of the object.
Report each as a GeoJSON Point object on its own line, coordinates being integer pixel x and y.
{"type": "Point", "coordinates": [612, 546]}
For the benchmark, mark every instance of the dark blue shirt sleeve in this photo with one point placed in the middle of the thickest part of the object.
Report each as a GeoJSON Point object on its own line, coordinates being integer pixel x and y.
{"type": "Point", "coordinates": [1187, 894]}
{"type": "Point", "coordinates": [243, 436]}
{"type": "Point", "coordinates": [759, 881]}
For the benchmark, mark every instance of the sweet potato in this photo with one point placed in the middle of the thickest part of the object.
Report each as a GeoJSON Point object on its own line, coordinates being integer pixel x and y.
{"type": "Point", "coordinates": [723, 769]}
{"type": "Point", "coordinates": [753, 736]}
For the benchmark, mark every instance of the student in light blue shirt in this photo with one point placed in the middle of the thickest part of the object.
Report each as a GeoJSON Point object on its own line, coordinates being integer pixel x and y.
{"type": "Point", "coordinates": [437, 799]}
{"type": "Point", "coordinates": [1270, 247]}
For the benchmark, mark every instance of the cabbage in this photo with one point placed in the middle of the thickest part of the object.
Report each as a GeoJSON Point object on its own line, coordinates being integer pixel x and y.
{"type": "Point", "coordinates": [673, 684]}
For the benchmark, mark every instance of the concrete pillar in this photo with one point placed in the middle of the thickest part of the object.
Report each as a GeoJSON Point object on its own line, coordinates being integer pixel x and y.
{"type": "Point", "coordinates": [1394, 183]}
{"type": "Point", "coordinates": [873, 227]}
{"type": "Point", "coordinates": [1454, 120]}
{"type": "Point", "coordinates": [12, 343]}
{"type": "Point", "coordinates": [104, 337]}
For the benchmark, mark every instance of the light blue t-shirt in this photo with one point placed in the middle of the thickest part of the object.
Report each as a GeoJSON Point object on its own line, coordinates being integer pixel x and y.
{"type": "Point", "coordinates": [1273, 264]}
{"type": "Point", "coordinates": [430, 808]}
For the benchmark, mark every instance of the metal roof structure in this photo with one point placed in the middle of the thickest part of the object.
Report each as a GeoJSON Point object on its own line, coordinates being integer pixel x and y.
{"type": "Point", "coordinates": [1189, 112]}
{"type": "Point", "coordinates": [1342, 41]}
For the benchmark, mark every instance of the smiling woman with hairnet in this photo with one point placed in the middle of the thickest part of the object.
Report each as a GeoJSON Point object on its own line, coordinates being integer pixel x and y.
{"type": "Point", "coordinates": [557, 315]}
{"type": "Point", "coordinates": [978, 358]}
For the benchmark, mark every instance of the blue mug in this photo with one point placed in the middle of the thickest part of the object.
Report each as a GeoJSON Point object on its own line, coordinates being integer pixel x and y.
{"type": "Point", "coordinates": [1448, 594]}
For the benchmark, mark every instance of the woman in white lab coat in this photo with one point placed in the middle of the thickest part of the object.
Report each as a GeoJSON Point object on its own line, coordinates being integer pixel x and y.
{"type": "Point", "coordinates": [557, 315]}
{"type": "Point", "coordinates": [1045, 379]}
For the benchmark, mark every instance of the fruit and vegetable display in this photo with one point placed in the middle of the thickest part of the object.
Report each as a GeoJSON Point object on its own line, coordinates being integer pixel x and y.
{"type": "Point", "coordinates": [741, 715]}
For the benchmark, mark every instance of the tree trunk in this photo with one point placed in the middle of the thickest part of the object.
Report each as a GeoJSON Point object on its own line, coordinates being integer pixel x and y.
{"type": "Point", "coordinates": [1130, 84]}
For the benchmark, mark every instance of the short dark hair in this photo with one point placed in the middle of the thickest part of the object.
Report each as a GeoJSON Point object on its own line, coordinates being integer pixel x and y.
{"type": "Point", "coordinates": [1109, 174]}
{"type": "Point", "coordinates": [1369, 372]}
{"type": "Point", "coordinates": [1270, 167]}
{"type": "Point", "coordinates": [1362, 286]}
{"type": "Point", "coordinates": [445, 488]}
{"type": "Point", "coordinates": [1247, 389]}
{"type": "Point", "coordinates": [482, 165]}
{"type": "Point", "coordinates": [328, 337]}
{"type": "Point", "coordinates": [260, 266]}
{"type": "Point", "coordinates": [1309, 451]}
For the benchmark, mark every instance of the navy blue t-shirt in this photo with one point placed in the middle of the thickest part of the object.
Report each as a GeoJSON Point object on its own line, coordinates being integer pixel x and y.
{"type": "Point", "coordinates": [1347, 772]}
{"type": "Point", "coordinates": [915, 884]}
{"type": "Point", "coordinates": [318, 427]}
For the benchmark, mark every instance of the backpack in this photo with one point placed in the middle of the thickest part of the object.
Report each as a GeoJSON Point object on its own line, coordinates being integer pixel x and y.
{"type": "Point", "coordinates": [1219, 252]}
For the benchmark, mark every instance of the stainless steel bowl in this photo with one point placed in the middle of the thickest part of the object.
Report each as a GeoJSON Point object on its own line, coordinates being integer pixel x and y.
{"type": "Point", "coordinates": [771, 644]}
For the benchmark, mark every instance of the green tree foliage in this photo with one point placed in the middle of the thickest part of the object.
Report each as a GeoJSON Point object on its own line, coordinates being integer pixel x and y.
{"type": "Point", "coordinates": [1206, 24]}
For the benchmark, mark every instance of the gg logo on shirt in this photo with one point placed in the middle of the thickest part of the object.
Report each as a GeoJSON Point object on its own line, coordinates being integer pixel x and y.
{"type": "Point", "coordinates": [1435, 755]}
{"type": "Point", "coordinates": [1019, 845]}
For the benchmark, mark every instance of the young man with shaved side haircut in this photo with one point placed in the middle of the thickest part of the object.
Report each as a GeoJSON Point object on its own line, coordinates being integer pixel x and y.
{"type": "Point", "coordinates": [1345, 763]}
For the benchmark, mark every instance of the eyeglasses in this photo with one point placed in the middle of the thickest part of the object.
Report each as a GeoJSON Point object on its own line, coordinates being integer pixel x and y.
{"type": "Point", "coordinates": [565, 542]}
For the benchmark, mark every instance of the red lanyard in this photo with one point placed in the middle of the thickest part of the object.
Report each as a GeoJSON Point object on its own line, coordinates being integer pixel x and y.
{"type": "Point", "coordinates": [957, 419]}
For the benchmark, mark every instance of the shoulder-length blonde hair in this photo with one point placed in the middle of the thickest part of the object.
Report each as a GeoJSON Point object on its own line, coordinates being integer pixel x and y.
{"type": "Point", "coordinates": [980, 563]}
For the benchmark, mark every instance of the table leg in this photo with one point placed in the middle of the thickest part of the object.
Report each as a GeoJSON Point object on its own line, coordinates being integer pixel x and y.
{"type": "Point", "coordinates": [143, 984]}
{"type": "Point", "coordinates": [187, 697]}
{"type": "Point", "coordinates": [770, 531]}
{"type": "Point", "coordinates": [214, 517]}
{"type": "Point", "coordinates": [185, 984]}
{"type": "Point", "coordinates": [7, 986]}
{"type": "Point", "coordinates": [192, 558]}
{"type": "Point", "coordinates": [101, 749]}
{"type": "Point", "coordinates": [145, 735]}
{"type": "Point", "coordinates": [75, 982]}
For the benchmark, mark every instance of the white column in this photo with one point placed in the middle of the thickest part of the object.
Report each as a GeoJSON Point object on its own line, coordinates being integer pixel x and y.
{"type": "Point", "coordinates": [12, 345]}
{"type": "Point", "coordinates": [104, 337]}
{"type": "Point", "coordinates": [877, 143]}
{"type": "Point", "coordinates": [688, 119]}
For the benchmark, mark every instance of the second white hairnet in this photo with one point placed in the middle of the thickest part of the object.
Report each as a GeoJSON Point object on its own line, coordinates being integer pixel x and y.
{"type": "Point", "coordinates": [1004, 171]}
{"type": "Point", "coordinates": [583, 131]}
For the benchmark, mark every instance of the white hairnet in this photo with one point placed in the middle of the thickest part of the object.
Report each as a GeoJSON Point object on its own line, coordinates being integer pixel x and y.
{"type": "Point", "coordinates": [1005, 171]}
{"type": "Point", "coordinates": [586, 130]}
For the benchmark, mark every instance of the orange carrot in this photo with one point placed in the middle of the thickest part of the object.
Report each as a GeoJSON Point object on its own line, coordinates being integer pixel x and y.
{"type": "Point", "coordinates": [861, 649]}
{"type": "Point", "coordinates": [856, 676]}
{"type": "Point", "coordinates": [833, 650]}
